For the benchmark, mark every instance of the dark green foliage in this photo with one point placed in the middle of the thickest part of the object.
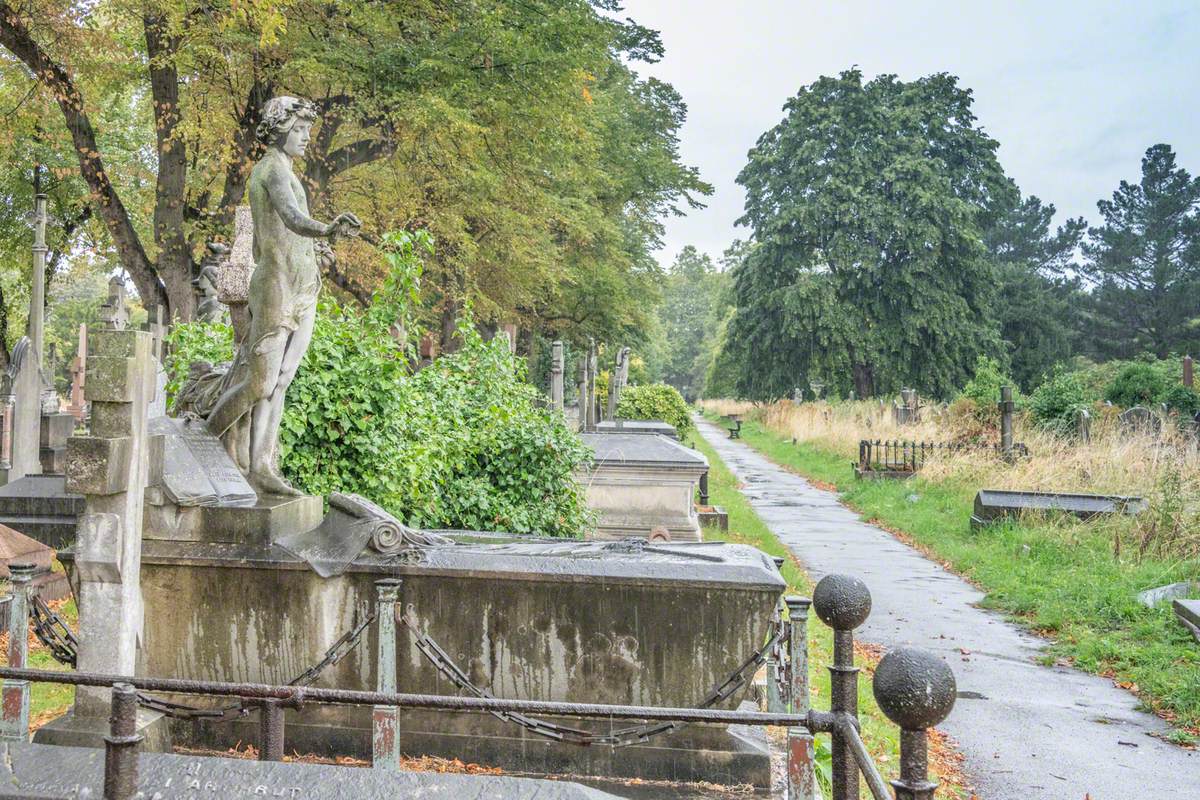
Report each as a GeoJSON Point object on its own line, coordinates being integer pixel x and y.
{"type": "Point", "coordinates": [1183, 399]}
{"type": "Point", "coordinates": [1038, 301]}
{"type": "Point", "coordinates": [868, 203]}
{"type": "Point", "coordinates": [691, 313]}
{"type": "Point", "coordinates": [1056, 404]}
{"type": "Point", "coordinates": [656, 401]}
{"type": "Point", "coordinates": [983, 391]}
{"type": "Point", "coordinates": [1145, 262]}
{"type": "Point", "coordinates": [188, 342]}
{"type": "Point", "coordinates": [463, 443]}
{"type": "Point", "coordinates": [1137, 384]}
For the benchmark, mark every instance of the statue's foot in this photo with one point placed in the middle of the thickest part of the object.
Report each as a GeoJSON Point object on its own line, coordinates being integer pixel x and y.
{"type": "Point", "coordinates": [267, 482]}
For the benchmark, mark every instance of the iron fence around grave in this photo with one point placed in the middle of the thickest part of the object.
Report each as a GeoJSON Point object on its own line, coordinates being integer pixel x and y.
{"type": "Point", "coordinates": [914, 688]}
{"type": "Point", "coordinates": [899, 458]}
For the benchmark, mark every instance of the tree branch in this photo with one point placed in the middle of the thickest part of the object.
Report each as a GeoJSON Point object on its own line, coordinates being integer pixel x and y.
{"type": "Point", "coordinates": [17, 39]}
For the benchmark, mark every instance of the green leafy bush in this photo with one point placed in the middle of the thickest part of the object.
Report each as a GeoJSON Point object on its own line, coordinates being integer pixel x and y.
{"type": "Point", "coordinates": [190, 342]}
{"type": "Point", "coordinates": [1137, 384]}
{"type": "Point", "coordinates": [461, 444]}
{"type": "Point", "coordinates": [976, 409]}
{"type": "Point", "coordinates": [1183, 399]}
{"type": "Point", "coordinates": [656, 401]}
{"type": "Point", "coordinates": [1056, 404]}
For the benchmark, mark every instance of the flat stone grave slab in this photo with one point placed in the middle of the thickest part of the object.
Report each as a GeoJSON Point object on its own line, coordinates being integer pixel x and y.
{"type": "Point", "coordinates": [1188, 612]}
{"type": "Point", "coordinates": [49, 771]}
{"type": "Point", "coordinates": [638, 426]}
{"type": "Point", "coordinates": [992, 505]}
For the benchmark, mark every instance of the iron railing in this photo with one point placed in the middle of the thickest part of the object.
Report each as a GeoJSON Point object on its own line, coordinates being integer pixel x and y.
{"type": "Point", "coordinates": [914, 688]}
{"type": "Point", "coordinates": [900, 457]}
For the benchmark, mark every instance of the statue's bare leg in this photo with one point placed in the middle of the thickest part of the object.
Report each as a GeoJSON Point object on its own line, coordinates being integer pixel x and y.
{"type": "Point", "coordinates": [293, 354]}
{"type": "Point", "coordinates": [265, 362]}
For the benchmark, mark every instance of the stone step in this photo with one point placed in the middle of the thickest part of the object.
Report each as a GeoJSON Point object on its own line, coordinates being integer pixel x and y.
{"type": "Point", "coordinates": [56, 428]}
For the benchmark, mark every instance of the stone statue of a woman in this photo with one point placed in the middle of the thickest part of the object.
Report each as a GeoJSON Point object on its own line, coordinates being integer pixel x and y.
{"type": "Point", "coordinates": [282, 298]}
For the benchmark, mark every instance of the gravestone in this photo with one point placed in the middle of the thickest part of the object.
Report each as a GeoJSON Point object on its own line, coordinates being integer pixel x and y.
{"type": "Point", "coordinates": [639, 482]}
{"type": "Point", "coordinates": [78, 406]}
{"type": "Point", "coordinates": [41, 772]}
{"type": "Point", "coordinates": [1140, 420]}
{"type": "Point", "coordinates": [115, 312]}
{"type": "Point", "coordinates": [1188, 379]}
{"type": "Point", "coordinates": [208, 307]}
{"type": "Point", "coordinates": [1083, 425]}
{"type": "Point", "coordinates": [556, 376]}
{"type": "Point", "coordinates": [109, 467]}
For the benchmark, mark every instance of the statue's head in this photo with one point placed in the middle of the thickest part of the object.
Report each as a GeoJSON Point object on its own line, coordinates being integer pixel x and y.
{"type": "Point", "coordinates": [286, 124]}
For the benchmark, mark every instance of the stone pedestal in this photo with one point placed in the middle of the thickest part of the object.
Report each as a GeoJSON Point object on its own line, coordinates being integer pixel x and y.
{"type": "Point", "coordinates": [543, 619]}
{"type": "Point", "coordinates": [640, 482]}
{"type": "Point", "coordinates": [55, 430]}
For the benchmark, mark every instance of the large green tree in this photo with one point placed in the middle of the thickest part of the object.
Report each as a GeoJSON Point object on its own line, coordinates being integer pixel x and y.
{"type": "Point", "coordinates": [867, 204]}
{"type": "Point", "coordinates": [1144, 263]}
{"type": "Point", "coordinates": [689, 312]}
{"type": "Point", "coordinates": [516, 132]}
{"type": "Point", "coordinates": [1039, 300]}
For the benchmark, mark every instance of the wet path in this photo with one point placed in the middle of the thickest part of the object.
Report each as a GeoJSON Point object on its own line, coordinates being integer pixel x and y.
{"type": "Point", "coordinates": [1028, 732]}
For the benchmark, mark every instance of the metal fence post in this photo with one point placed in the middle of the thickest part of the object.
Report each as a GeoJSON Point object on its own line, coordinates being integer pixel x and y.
{"type": "Point", "coordinates": [843, 602]}
{"type": "Point", "coordinates": [14, 699]}
{"type": "Point", "coordinates": [121, 745]}
{"type": "Point", "coordinates": [801, 758]}
{"type": "Point", "coordinates": [385, 720]}
{"type": "Point", "coordinates": [270, 730]}
{"type": "Point", "coordinates": [916, 690]}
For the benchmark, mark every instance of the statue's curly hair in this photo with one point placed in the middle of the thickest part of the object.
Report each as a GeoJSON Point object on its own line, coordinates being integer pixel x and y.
{"type": "Point", "coordinates": [280, 114]}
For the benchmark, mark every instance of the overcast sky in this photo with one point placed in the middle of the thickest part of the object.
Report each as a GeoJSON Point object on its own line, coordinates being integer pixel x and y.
{"type": "Point", "coordinates": [1074, 91]}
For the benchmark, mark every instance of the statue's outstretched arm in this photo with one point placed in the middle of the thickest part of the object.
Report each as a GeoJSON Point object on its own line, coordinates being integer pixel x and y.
{"type": "Point", "coordinates": [280, 189]}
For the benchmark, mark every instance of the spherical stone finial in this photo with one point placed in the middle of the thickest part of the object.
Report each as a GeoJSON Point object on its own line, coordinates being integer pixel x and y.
{"type": "Point", "coordinates": [915, 688]}
{"type": "Point", "coordinates": [843, 602]}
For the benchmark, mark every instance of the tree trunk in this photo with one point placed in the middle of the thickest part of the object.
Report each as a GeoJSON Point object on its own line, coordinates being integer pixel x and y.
{"type": "Point", "coordinates": [174, 253]}
{"type": "Point", "coordinates": [864, 380]}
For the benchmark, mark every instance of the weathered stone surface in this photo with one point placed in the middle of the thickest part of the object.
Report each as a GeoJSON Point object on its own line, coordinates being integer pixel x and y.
{"type": "Point", "coordinates": [111, 379]}
{"type": "Point", "coordinates": [639, 482]}
{"type": "Point", "coordinates": [98, 466]}
{"type": "Point", "coordinates": [111, 420]}
{"type": "Point", "coordinates": [1188, 613]}
{"type": "Point", "coordinates": [99, 548]}
{"type": "Point", "coordinates": [115, 344]}
{"type": "Point", "coordinates": [43, 771]}
{"type": "Point", "coordinates": [580, 621]}
{"type": "Point", "coordinates": [352, 525]}
{"type": "Point", "coordinates": [40, 507]}
{"type": "Point", "coordinates": [191, 466]}
{"type": "Point", "coordinates": [996, 504]}
{"type": "Point", "coordinates": [637, 426]}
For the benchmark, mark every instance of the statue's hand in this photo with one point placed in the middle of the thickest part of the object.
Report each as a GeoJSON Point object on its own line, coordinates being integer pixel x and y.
{"type": "Point", "coordinates": [346, 224]}
{"type": "Point", "coordinates": [326, 260]}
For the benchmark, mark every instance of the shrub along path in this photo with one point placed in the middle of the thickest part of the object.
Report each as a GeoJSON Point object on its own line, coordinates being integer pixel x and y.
{"type": "Point", "coordinates": [1027, 731]}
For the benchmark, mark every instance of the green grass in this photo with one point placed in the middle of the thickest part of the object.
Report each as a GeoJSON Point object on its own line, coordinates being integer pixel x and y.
{"type": "Point", "coordinates": [48, 700]}
{"type": "Point", "coordinates": [745, 527]}
{"type": "Point", "coordinates": [1059, 577]}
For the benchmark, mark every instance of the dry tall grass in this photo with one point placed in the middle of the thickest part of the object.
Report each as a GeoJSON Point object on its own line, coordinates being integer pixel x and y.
{"type": "Point", "coordinates": [1165, 468]}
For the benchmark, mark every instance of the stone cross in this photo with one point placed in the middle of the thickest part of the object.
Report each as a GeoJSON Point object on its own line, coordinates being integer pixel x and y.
{"type": "Point", "coordinates": [556, 376]}
{"type": "Point", "coordinates": [109, 468]}
{"type": "Point", "coordinates": [37, 301]}
{"type": "Point", "coordinates": [582, 387]}
{"type": "Point", "coordinates": [78, 369]}
{"type": "Point", "coordinates": [1006, 421]}
{"type": "Point", "coordinates": [113, 313]}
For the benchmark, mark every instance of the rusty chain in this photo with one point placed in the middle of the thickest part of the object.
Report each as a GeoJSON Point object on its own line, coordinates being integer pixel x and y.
{"type": "Point", "coordinates": [621, 737]}
{"type": "Point", "coordinates": [52, 632]}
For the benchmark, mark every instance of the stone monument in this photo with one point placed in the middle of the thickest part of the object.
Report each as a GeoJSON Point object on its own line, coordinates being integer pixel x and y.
{"type": "Point", "coordinates": [556, 376]}
{"type": "Point", "coordinates": [619, 376]}
{"type": "Point", "coordinates": [108, 467]}
{"type": "Point", "coordinates": [245, 407]}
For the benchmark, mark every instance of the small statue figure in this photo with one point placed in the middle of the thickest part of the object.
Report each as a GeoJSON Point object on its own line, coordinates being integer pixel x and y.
{"type": "Point", "coordinates": [282, 298]}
